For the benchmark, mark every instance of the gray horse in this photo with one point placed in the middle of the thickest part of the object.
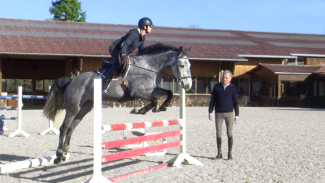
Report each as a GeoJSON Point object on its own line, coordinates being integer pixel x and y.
{"type": "Point", "coordinates": [140, 82]}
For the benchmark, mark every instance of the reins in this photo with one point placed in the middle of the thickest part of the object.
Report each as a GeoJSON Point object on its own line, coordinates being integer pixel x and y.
{"type": "Point", "coordinates": [150, 70]}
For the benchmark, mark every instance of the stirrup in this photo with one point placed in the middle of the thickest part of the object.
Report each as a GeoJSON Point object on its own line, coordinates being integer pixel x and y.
{"type": "Point", "coordinates": [109, 83]}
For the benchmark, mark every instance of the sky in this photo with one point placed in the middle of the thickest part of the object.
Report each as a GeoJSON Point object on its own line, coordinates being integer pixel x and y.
{"type": "Point", "coordinates": [287, 16]}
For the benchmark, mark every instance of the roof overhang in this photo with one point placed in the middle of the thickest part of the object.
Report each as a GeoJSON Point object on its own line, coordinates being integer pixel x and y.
{"type": "Point", "coordinates": [53, 54]}
{"type": "Point", "coordinates": [292, 73]}
{"type": "Point", "coordinates": [266, 56]}
{"type": "Point", "coordinates": [219, 59]}
{"type": "Point", "coordinates": [307, 55]}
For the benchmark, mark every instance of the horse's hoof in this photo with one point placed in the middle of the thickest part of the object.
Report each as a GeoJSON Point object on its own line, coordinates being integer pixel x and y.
{"type": "Point", "coordinates": [155, 109]}
{"type": "Point", "coordinates": [134, 111]}
{"type": "Point", "coordinates": [65, 156]}
{"type": "Point", "coordinates": [162, 109]}
{"type": "Point", "coordinates": [140, 112]}
{"type": "Point", "coordinates": [57, 161]}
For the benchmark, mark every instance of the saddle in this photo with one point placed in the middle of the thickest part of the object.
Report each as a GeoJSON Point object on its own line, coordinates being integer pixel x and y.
{"type": "Point", "coordinates": [105, 72]}
{"type": "Point", "coordinates": [106, 67]}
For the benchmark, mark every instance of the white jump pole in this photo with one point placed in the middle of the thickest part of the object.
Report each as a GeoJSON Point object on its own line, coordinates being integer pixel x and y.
{"type": "Point", "coordinates": [178, 160]}
{"type": "Point", "coordinates": [97, 172]}
{"type": "Point", "coordinates": [19, 115]}
{"type": "Point", "coordinates": [26, 164]}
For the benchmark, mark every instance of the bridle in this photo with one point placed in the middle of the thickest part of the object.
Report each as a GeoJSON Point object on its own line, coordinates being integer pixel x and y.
{"type": "Point", "coordinates": [179, 71]}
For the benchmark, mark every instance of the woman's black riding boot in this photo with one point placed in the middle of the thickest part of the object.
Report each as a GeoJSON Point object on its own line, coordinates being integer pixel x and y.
{"type": "Point", "coordinates": [219, 156]}
{"type": "Point", "coordinates": [230, 142]}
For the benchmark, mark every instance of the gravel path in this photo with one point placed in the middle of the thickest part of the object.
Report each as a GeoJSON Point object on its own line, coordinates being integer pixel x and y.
{"type": "Point", "coordinates": [270, 145]}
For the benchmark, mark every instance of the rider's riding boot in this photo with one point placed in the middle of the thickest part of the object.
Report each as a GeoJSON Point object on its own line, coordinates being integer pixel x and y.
{"type": "Point", "coordinates": [108, 78]}
{"type": "Point", "coordinates": [219, 156]}
{"type": "Point", "coordinates": [230, 142]}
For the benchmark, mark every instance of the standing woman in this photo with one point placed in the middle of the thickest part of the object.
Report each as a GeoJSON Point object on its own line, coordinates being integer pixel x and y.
{"type": "Point", "coordinates": [224, 102]}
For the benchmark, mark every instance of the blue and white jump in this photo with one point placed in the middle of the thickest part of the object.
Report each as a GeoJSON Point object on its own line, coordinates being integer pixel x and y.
{"type": "Point", "coordinates": [15, 97]}
{"type": "Point", "coordinates": [19, 98]}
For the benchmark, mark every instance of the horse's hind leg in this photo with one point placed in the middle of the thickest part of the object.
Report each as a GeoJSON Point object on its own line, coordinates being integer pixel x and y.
{"type": "Point", "coordinates": [63, 131]}
{"type": "Point", "coordinates": [86, 108]}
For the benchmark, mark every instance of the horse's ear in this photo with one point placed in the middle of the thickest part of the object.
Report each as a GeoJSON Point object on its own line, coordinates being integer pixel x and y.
{"type": "Point", "coordinates": [180, 51]}
{"type": "Point", "coordinates": [189, 49]}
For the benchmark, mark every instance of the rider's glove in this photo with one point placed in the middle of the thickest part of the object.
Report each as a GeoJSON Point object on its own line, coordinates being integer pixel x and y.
{"type": "Point", "coordinates": [125, 60]}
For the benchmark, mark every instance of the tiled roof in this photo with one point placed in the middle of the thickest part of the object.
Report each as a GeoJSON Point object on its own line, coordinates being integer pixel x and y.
{"type": "Point", "coordinates": [321, 70]}
{"type": "Point", "coordinates": [88, 39]}
{"type": "Point", "coordinates": [293, 69]}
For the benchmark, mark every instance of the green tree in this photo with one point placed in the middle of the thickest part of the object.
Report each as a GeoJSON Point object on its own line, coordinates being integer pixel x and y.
{"type": "Point", "coordinates": [67, 10]}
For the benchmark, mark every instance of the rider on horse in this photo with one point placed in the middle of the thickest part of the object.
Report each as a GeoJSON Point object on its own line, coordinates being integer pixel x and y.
{"type": "Point", "coordinates": [121, 48]}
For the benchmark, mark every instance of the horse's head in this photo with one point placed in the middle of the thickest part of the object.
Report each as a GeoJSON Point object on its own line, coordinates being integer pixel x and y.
{"type": "Point", "coordinates": [164, 56]}
{"type": "Point", "coordinates": [182, 69]}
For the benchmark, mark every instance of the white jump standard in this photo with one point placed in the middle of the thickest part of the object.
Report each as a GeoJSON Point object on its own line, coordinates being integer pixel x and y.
{"type": "Point", "coordinates": [19, 117]}
{"type": "Point", "coordinates": [19, 98]}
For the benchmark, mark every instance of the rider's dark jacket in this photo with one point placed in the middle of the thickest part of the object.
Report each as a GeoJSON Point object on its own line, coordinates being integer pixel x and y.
{"type": "Point", "coordinates": [129, 42]}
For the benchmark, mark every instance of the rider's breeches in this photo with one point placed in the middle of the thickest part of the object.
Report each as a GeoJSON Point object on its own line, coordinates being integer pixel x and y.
{"type": "Point", "coordinates": [229, 119]}
{"type": "Point", "coordinates": [115, 54]}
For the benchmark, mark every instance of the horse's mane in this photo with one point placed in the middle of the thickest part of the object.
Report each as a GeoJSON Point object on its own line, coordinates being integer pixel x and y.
{"type": "Point", "coordinates": [158, 48]}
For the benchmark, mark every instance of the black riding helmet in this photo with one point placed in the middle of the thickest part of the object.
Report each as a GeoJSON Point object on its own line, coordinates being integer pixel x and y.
{"type": "Point", "coordinates": [144, 22]}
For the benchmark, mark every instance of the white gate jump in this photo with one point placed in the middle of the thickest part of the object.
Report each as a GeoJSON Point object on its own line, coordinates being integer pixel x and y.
{"type": "Point", "coordinates": [99, 128]}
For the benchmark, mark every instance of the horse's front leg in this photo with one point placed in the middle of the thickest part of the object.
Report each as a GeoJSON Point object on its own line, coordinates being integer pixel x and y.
{"type": "Point", "coordinates": [159, 92]}
{"type": "Point", "coordinates": [164, 106]}
{"type": "Point", "coordinates": [148, 107]}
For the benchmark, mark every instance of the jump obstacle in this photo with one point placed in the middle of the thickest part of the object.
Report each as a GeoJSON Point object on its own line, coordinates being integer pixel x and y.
{"type": "Point", "coordinates": [19, 98]}
{"type": "Point", "coordinates": [99, 129]}
{"type": "Point", "coordinates": [27, 164]}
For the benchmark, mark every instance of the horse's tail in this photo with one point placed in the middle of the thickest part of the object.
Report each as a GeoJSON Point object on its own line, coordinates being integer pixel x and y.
{"type": "Point", "coordinates": [55, 98]}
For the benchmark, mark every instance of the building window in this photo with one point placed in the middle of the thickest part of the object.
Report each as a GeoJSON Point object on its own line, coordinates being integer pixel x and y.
{"type": "Point", "coordinates": [200, 85]}
{"type": "Point", "coordinates": [41, 86]}
{"type": "Point", "coordinates": [11, 85]}
{"type": "Point", "coordinates": [212, 83]}
{"type": "Point", "coordinates": [293, 88]}
{"type": "Point", "coordinates": [243, 87]}
{"type": "Point", "coordinates": [300, 61]}
{"type": "Point", "coordinates": [260, 88]}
